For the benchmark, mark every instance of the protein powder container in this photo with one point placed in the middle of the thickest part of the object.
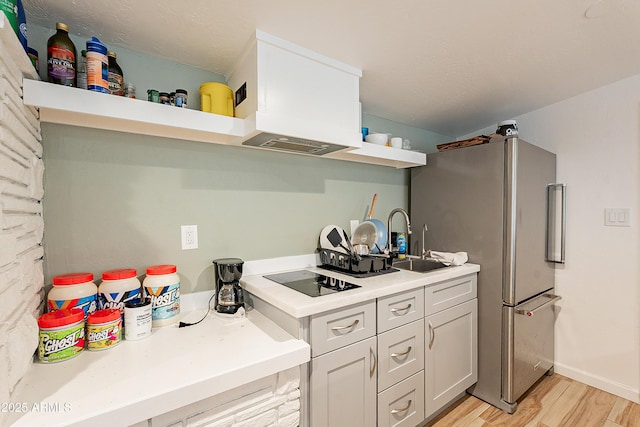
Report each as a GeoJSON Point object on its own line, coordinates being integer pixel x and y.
{"type": "Point", "coordinates": [162, 284]}
{"type": "Point", "coordinates": [104, 329]}
{"type": "Point", "coordinates": [73, 290]}
{"type": "Point", "coordinates": [117, 288]}
{"type": "Point", "coordinates": [61, 335]}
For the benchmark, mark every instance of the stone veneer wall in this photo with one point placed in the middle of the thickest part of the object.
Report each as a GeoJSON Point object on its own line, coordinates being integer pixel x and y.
{"type": "Point", "coordinates": [271, 401]}
{"type": "Point", "coordinates": [21, 224]}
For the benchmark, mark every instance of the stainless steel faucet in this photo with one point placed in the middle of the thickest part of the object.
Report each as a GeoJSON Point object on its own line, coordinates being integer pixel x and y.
{"type": "Point", "coordinates": [424, 248]}
{"type": "Point", "coordinates": [406, 220]}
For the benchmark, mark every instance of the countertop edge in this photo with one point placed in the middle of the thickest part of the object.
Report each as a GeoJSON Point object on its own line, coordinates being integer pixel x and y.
{"type": "Point", "coordinates": [208, 387]}
{"type": "Point", "coordinates": [298, 305]}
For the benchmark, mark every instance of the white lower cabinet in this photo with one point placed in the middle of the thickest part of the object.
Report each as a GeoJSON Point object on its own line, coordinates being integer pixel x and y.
{"type": "Point", "coordinates": [394, 361]}
{"type": "Point", "coordinates": [343, 386]}
{"type": "Point", "coordinates": [451, 359]}
{"type": "Point", "coordinates": [402, 404]}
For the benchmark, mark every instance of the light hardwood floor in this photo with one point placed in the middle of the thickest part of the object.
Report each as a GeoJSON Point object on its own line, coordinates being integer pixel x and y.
{"type": "Point", "coordinates": [555, 401]}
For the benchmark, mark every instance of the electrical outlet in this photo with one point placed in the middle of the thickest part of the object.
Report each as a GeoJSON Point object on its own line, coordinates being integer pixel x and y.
{"type": "Point", "coordinates": [189, 234]}
{"type": "Point", "coordinates": [353, 224]}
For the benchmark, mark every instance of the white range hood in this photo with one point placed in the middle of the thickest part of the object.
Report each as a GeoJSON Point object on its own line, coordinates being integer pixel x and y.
{"type": "Point", "coordinates": [295, 100]}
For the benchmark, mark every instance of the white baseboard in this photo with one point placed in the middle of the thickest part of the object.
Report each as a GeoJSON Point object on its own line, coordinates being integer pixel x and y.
{"type": "Point", "coordinates": [601, 383]}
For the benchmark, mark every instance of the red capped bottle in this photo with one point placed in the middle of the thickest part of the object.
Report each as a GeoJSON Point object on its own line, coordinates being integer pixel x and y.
{"type": "Point", "coordinates": [61, 57]}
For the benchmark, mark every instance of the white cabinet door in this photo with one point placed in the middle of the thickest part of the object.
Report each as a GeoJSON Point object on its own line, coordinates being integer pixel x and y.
{"type": "Point", "coordinates": [451, 359]}
{"type": "Point", "coordinates": [343, 386]}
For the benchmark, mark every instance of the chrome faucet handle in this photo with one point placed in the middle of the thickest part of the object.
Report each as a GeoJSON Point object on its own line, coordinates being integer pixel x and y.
{"type": "Point", "coordinates": [424, 249]}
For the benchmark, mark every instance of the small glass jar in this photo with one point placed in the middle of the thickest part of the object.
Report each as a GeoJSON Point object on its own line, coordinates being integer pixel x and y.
{"type": "Point", "coordinates": [181, 98]}
{"type": "Point", "coordinates": [130, 90]}
{"type": "Point", "coordinates": [153, 95]}
{"type": "Point", "coordinates": [164, 98]}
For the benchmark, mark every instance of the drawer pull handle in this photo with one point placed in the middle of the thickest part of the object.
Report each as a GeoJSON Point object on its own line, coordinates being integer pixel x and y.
{"type": "Point", "coordinates": [341, 328]}
{"type": "Point", "coordinates": [405, 409]}
{"type": "Point", "coordinates": [432, 335]}
{"type": "Point", "coordinates": [405, 309]}
{"type": "Point", "coordinates": [401, 354]}
{"type": "Point", "coordinates": [372, 371]}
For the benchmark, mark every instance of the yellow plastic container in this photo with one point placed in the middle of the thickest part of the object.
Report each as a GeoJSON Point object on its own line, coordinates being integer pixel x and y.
{"type": "Point", "coordinates": [216, 98]}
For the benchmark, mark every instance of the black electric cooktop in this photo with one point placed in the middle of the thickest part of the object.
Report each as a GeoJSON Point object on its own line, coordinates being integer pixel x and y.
{"type": "Point", "coordinates": [310, 283]}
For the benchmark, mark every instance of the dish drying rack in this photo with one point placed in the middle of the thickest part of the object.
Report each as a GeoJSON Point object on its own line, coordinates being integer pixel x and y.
{"type": "Point", "coordinates": [354, 264]}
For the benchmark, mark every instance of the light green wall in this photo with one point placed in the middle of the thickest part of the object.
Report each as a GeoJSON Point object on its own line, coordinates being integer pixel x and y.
{"type": "Point", "coordinates": [115, 200]}
{"type": "Point", "coordinates": [421, 139]}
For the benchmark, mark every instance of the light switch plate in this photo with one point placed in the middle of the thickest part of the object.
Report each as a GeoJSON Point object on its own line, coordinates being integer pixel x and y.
{"type": "Point", "coordinates": [617, 217]}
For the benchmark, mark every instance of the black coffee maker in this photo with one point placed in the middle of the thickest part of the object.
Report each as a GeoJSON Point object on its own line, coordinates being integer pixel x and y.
{"type": "Point", "coordinates": [229, 297]}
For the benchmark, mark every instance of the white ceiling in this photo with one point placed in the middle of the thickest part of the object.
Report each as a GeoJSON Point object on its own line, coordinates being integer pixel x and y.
{"type": "Point", "coordinates": [449, 66]}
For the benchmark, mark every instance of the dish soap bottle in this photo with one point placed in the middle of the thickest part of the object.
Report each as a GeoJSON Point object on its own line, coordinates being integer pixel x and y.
{"type": "Point", "coordinates": [61, 57]}
{"type": "Point", "coordinates": [116, 78]}
{"type": "Point", "coordinates": [401, 241]}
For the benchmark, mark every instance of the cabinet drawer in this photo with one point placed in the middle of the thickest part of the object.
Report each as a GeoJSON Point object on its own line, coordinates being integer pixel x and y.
{"type": "Point", "coordinates": [402, 404]}
{"type": "Point", "coordinates": [341, 327]}
{"type": "Point", "coordinates": [452, 292]}
{"type": "Point", "coordinates": [400, 309]}
{"type": "Point", "coordinates": [400, 353]}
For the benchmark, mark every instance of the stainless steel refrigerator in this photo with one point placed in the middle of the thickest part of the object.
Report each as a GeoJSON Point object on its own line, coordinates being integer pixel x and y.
{"type": "Point", "coordinates": [499, 203]}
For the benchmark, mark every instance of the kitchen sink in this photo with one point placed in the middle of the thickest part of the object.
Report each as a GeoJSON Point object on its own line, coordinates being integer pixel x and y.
{"type": "Point", "coordinates": [418, 265]}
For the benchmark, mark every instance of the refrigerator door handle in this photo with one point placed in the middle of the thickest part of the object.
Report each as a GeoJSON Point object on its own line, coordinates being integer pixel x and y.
{"type": "Point", "coordinates": [552, 221]}
{"type": "Point", "coordinates": [551, 299]}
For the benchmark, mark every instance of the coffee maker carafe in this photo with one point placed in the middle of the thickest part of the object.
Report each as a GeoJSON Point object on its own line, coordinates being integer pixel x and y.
{"type": "Point", "coordinates": [229, 297]}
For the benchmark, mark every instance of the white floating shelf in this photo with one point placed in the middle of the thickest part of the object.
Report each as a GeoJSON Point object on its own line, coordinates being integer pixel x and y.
{"type": "Point", "coordinates": [383, 155]}
{"type": "Point", "coordinates": [79, 107]}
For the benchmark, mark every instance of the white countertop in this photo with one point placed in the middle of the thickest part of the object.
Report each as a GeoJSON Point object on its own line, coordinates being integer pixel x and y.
{"type": "Point", "coordinates": [298, 305]}
{"type": "Point", "coordinates": [177, 366]}
{"type": "Point", "coordinates": [173, 368]}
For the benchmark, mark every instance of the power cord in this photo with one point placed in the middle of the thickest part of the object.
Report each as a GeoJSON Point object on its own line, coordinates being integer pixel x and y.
{"type": "Point", "coordinates": [184, 324]}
